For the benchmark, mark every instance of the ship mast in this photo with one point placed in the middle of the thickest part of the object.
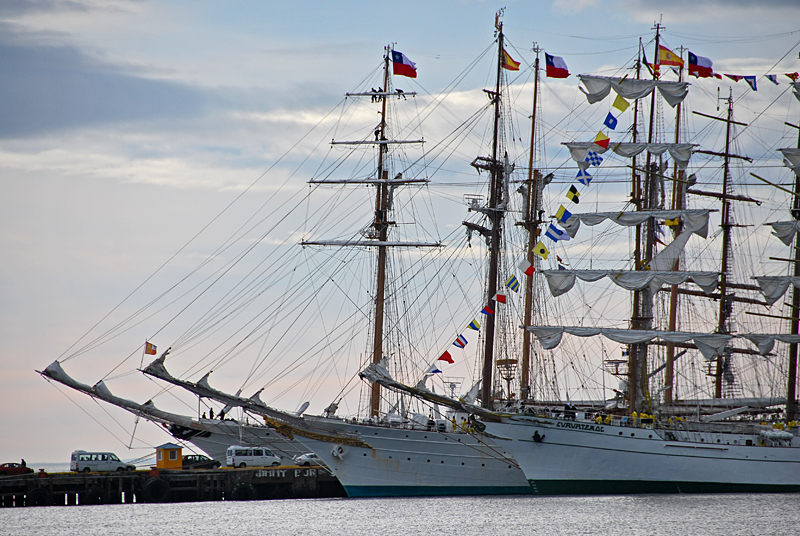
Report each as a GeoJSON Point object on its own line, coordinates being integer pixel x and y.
{"type": "Point", "coordinates": [678, 203]}
{"type": "Point", "coordinates": [494, 214]}
{"type": "Point", "coordinates": [379, 234]}
{"type": "Point", "coordinates": [531, 223]}
{"type": "Point", "coordinates": [382, 230]}
{"type": "Point", "coordinates": [723, 362]}
{"type": "Point", "coordinates": [791, 387]}
{"type": "Point", "coordinates": [725, 305]}
{"type": "Point", "coordinates": [643, 314]}
{"type": "Point", "coordinates": [636, 198]}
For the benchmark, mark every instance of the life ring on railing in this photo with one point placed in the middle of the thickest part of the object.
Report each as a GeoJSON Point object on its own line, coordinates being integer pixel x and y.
{"type": "Point", "coordinates": [39, 497]}
{"type": "Point", "coordinates": [243, 492]}
{"type": "Point", "coordinates": [156, 490]}
{"type": "Point", "coordinates": [338, 451]}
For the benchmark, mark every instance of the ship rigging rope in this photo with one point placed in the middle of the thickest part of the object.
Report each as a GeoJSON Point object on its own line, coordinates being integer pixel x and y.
{"type": "Point", "coordinates": [191, 240]}
{"type": "Point", "coordinates": [243, 235]}
{"type": "Point", "coordinates": [776, 98]}
{"type": "Point", "coordinates": [230, 266]}
{"type": "Point", "coordinates": [229, 354]}
{"type": "Point", "coordinates": [104, 427]}
{"type": "Point", "coordinates": [390, 297]}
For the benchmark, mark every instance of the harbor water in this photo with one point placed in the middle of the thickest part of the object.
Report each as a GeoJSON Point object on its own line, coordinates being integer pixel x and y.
{"type": "Point", "coordinates": [639, 515]}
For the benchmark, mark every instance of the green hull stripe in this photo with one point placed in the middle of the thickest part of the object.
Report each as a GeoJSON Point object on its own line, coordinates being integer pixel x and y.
{"type": "Point", "coordinates": [624, 487]}
{"type": "Point", "coordinates": [430, 491]}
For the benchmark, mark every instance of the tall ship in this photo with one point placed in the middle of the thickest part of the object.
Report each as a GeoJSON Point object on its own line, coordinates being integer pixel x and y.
{"type": "Point", "coordinates": [397, 443]}
{"type": "Point", "coordinates": [706, 399]}
{"type": "Point", "coordinates": [690, 320]}
{"type": "Point", "coordinates": [650, 357]}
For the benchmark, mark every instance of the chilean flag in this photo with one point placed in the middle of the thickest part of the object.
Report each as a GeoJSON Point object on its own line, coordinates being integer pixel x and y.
{"type": "Point", "coordinates": [700, 67]}
{"type": "Point", "coordinates": [556, 68]}
{"type": "Point", "coordinates": [402, 65]}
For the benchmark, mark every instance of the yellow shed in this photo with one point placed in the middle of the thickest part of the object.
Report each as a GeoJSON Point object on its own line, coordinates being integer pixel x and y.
{"type": "Point", "coordinates": [169, 456]}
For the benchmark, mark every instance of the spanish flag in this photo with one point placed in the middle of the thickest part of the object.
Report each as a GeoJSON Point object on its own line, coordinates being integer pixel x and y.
{"type": "Point", "coordinates": [509, 63]}
{"type": "Point", "coordinates": [667, 57]}
{"type": "Point", "coordinates": [149, 348]}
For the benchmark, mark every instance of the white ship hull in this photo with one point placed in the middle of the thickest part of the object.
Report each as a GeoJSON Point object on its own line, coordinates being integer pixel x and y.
{"type": "Point", "coordinates": [577, 457]}
{"type": "Point", "coordinates": [404, 462]}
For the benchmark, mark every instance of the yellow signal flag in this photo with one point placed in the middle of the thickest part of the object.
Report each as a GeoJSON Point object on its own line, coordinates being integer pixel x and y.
{"type": "Point", "coordinates": [671, 223]}
{"type": "Point", "coordinates": [621, 104]}
{"type": "Point", "coordinates": [541, 250]}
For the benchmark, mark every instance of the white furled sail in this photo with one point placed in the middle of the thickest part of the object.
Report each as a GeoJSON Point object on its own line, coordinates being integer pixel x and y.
{"type": "Point", "coordinates": [680, 152]}
{"type": "Point", "coordinates": [710, 345]}
{"type": "Point", "coordinates": [203, 389]}
{"type": "Point", "coordinates": [785, 230]}
{"type": "Point", "coordinates": [562, 281]}
{"type": "Point", "coordinates": [765, 342]}
{"type": "Point", "coordinates": [773, 287]}
{"type": "Point", "coordinates": [695, 221]}
{"type": "Point", "coordinates": [54, 371]}
{"type": "Point", "coordinates": [791, 159]}
{"type": "Point", "coordinates": [598, 88]}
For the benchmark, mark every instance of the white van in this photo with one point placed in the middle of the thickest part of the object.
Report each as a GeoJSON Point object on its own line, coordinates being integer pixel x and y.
{"type": "Point", "coordinates": [251, 457]}
{"type": "Point", "coordinates": [97, 461]}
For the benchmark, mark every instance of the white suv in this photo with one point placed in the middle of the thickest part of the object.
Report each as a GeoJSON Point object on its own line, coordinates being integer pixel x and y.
{"type": "Point", "coordinates": [251, 457]}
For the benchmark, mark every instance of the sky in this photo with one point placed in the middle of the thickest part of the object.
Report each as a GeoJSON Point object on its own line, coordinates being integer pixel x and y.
{"type": "Point", "coordinates": [127, 126]}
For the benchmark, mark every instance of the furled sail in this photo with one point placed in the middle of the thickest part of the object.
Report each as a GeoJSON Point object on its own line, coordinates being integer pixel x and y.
{"type": "Point", "coordinates": [773, 287]}
{"type": "Point", "coordinates": [203, 389]}
{"type": "Point", "coordinates": [785, 230]}
{"type": "Point", "coordinates": [695, 221]}
{"type": "Point", "coordinates": [562, 281]}
{"type": "Point", "coordinates": [55, 372]}
{"type": "Point", "coordinates": [765, 342]}
{"type": "Point", "coordinates": [598, 88]}
{"type": "Point", "coordinates": [796, 86]}
{"type": "Point", "coordinates": [711, 345]}
{"type": "Point", "coordinates": [680, 152]}
{"type": "Point", "coordinates": [377, 373]}
{"type": "Point", "coordinates": [791, 159]}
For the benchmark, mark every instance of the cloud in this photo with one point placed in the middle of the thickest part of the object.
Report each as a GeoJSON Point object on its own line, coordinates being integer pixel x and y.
{"type": "Point", "coordinates": [16, 8]}
{"type": "Point", "coordinates": [713, 12]}
{"type": "Point", "coordinates": [573, 6]}
{"type": "Point", "coordinates": [51, 88]}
